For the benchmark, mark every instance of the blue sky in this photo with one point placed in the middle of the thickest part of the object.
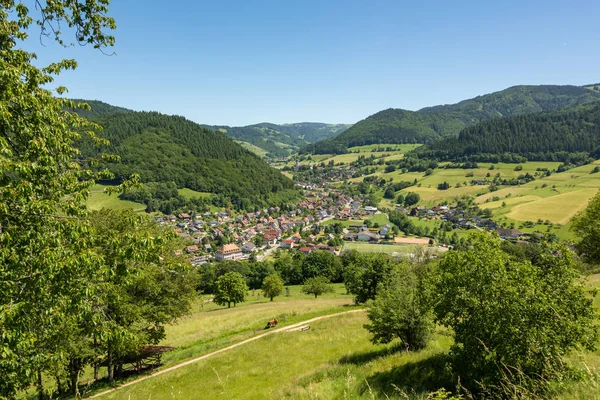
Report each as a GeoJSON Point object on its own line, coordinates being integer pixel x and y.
{"type": "Point", "coordinates": [243, 62]}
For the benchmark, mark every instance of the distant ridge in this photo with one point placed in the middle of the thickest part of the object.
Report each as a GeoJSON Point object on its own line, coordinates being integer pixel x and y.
{"type": "Point", "coordinates": [431, 123]}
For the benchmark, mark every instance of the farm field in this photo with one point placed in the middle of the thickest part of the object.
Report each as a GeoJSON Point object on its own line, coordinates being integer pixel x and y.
{"type": "Point", "coordinates": [337, 362]}
{"type": "Point", "coordinates": [255, 149]}
{"type": "Point", "coordinates": [396, 153]}
{"type": "Point", "coordinates": [98, 200]}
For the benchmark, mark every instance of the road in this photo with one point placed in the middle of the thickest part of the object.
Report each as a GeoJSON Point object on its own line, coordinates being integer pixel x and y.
{"type": "Point", "coordinates": [233, 346]}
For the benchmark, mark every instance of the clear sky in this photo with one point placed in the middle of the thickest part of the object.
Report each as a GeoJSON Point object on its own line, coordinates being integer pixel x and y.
{"type": "Point", "coordinates": [242, 62]}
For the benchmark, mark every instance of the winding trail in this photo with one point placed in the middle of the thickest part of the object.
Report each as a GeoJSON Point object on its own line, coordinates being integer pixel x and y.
{"type": "Point", "coordinates": [233, 346]}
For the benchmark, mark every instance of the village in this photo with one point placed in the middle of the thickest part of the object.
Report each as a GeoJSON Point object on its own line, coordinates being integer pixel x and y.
{"type": "Point", "coordinates": [256, 236]}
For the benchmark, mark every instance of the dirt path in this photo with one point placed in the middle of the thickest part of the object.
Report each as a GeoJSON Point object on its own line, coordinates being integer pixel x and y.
{"type": "Point", "coordinates": [233, 346]}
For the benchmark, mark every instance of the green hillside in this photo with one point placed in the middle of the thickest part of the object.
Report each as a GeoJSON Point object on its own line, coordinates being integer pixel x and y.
{"type": "Point", "coordinates": [549, 136]}
{"type": "Point", "coordinates": [99, 109]}
{"type": "Point", "coordinates": [163, 148]}
{"type": "Point", "coordinates": [428, 124]}
{"type": "Point", "coordinates": [282, 140]}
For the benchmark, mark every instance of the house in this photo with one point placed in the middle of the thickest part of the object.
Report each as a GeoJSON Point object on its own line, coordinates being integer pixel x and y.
{"type": "Point", "coordinates": [296, 237]}
{"type": "Point", "coordinates": [248, 247]}
{"type": "Point", "coordinates": [229, 252]}
{"type": "Point", "coordinates": [287, 244]}
{"type": "Point", "coordinates": [370, 210]}
{"type": "Point", "coordinates": [208, 247]}
{"type": "Point", "coordinates": [367, 237]}
{"type": "Point", "coordinates": [184, 216]}
{"type": "Point", "coordinates": [509, 233]}
{"type": "Point", "coordinates": [270, 239]}
{"type": "Point", "coordinates": [305, 250]}
{"type": "Point", "coordinates": [191, 249]}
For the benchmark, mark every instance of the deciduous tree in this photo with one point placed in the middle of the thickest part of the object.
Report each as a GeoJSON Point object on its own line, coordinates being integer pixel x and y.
{"type": "Point", "coordinates": [272, 286]}
{"type": "Point", "coordinates": [231, 288]}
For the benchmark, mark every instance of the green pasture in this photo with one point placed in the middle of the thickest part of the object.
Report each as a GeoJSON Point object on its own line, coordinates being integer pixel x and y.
{"type": "Point", "coordinates": [334, 359]}
{"type": "Point", "coordinates": [254, 149]}
{"type": "Point", "coordinates": [190, 194]}
{"type": "Point", "coordinates": [381, 248]}
{"type": "Point", "coordinates": [99, 199]}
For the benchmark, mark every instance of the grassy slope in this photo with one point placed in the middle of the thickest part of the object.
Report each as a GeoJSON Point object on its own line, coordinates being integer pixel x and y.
{"type": "Point", "coordinates": [190, 194]}
{"type": "Point", "coordinates": [333, 360]}
{"type": "Point", "coordinates": [98, 200]}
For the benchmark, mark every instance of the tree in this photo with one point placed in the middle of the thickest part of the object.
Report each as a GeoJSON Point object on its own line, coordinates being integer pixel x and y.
{"type": "Point", "coordinates": [411, 199]}
{"type": "Point", "coordinates": [272, 286]}
{"type": "Point", "coordinates": [47, 255]}
{"type": "Point", "coordinates": [400, 310]}
{"type": "Point", "coordinates": [318, 285]}
{"type": "Point", "coordinates": [400, 199]}
{"type": "Point", "coordinates": [365, 273]}
{"type": "Point", "coordinates": [322, 263]}
{"type": "Point", "coordinates": [586, 226]}
{"type": "Point", "coordinates": [512, 315]}
{"type": "Point", "coordinates": [231, 288]}
{"type": "Point", "coordinates": [389, 193]}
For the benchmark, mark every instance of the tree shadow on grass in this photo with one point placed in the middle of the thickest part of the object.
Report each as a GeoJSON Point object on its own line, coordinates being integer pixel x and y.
{"type": "Point", "coordinates": [368, 356]}
{"type": "Point", "coordinates": [413, 378]}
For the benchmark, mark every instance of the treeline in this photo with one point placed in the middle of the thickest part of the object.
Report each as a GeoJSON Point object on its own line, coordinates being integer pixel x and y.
{"type": "Point", "coordinates": [433, 123]}
{"type": "Point", "coordinates": [571, 135]}
{"type": "Point", "coordinates": [162, 148]}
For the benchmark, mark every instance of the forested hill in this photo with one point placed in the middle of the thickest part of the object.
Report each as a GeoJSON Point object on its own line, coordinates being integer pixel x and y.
{"type": "Point", "coordinates": [282, 140]}
{"type": "Point", "coordinates": [429, 124]}
{"type": "Point", "coordinates": [559, 135]}
{"type": "Point", "coordinates": [162, 148]}
{"type": "Point", "coordinates": [99, 109]}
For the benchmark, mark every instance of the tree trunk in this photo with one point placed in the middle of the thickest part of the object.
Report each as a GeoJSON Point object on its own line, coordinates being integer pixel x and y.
{"type": "Point", "coordinates": [40, 385]}
{"type": "Point", "coordinates": [96, 366]}
{"type": "Point", "coordinates": [316, 295]}
{"type": "Point", "coordinates": [271, 298]}
{"type": "Point", "coordinates": [228, 304]}
{"type": "Point", "coordinates": [111, 371]}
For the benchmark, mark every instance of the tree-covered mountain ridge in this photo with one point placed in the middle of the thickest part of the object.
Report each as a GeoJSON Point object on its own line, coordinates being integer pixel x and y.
{"type": "Point", "coordinates": [165, 148]}
{"type": "Point", "coordinates": [567, 134]}
{"type": "Point", "coordinates": [280, 140]}
{"type": "Point", "coordinates": [432, 123]}
{"type": "Point", "coordinates": [276, 140]}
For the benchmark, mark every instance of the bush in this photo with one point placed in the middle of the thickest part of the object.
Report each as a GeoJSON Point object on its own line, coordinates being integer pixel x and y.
{"type": "Point", "coordinates": [512, 318]}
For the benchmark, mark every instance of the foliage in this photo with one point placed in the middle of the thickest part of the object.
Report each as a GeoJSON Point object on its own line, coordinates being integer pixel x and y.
{"type": "Point", "coordinates": [279, 140]}
{"type": "Point", "coordinates": [586, 226]}
{"type": "Point", "coordinates": [322, 263]}
{"type": "Point", "coordinates": [231, 288]}
{"type": "Point", "coordinates": [364, 274]}
{"type": "Point", "coordinates": [272, 286]}
{"type": "Point", "coordinates": [400, 309]}
{"type": "Point", "coordinates": [317, 285]}
{"type": "Point", "coordinates": [163, 148]}
{"type": "Point", "coordinates": [46, 255]}
{"type": "Point", "coordinates": [429, 124]}
{"type": "Point", "coordinates": [570, 135]}
{"type": "Point", "coordinates": [411, 199]}
{"type": "Point", "coordinates": [512, 315]}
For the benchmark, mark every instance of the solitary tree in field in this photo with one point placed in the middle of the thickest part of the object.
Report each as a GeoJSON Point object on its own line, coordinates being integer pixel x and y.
{"type": "Point", "coordinates": [272, 286]}
{"type": "Point", "coordinates": [400, 310]}
{"type": "Point", "coordinates": [318, 285]}
{"type": "Point", "coordinates": [231, 288]}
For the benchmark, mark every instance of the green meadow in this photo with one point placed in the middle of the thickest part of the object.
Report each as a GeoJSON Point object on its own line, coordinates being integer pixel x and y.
{"type": "Point", "coordinates": [99, 199]}
{"type": "Point", "coordinates": [334, 359]}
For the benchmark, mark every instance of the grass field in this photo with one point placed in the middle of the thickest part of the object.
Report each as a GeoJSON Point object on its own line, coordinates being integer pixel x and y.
{"type": "Point", "coordinates": [210, 327]}
{"type": "Point", "coordinates": [190, 194]}
{"type": "Point", "coordinates": [380, 248]}
{"type": "Point", "coordinates": [332, 360]}
{"type": "Point", "coordinates": [255, 149]}
{"type": "Point", "coordinates": [98, 200]}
